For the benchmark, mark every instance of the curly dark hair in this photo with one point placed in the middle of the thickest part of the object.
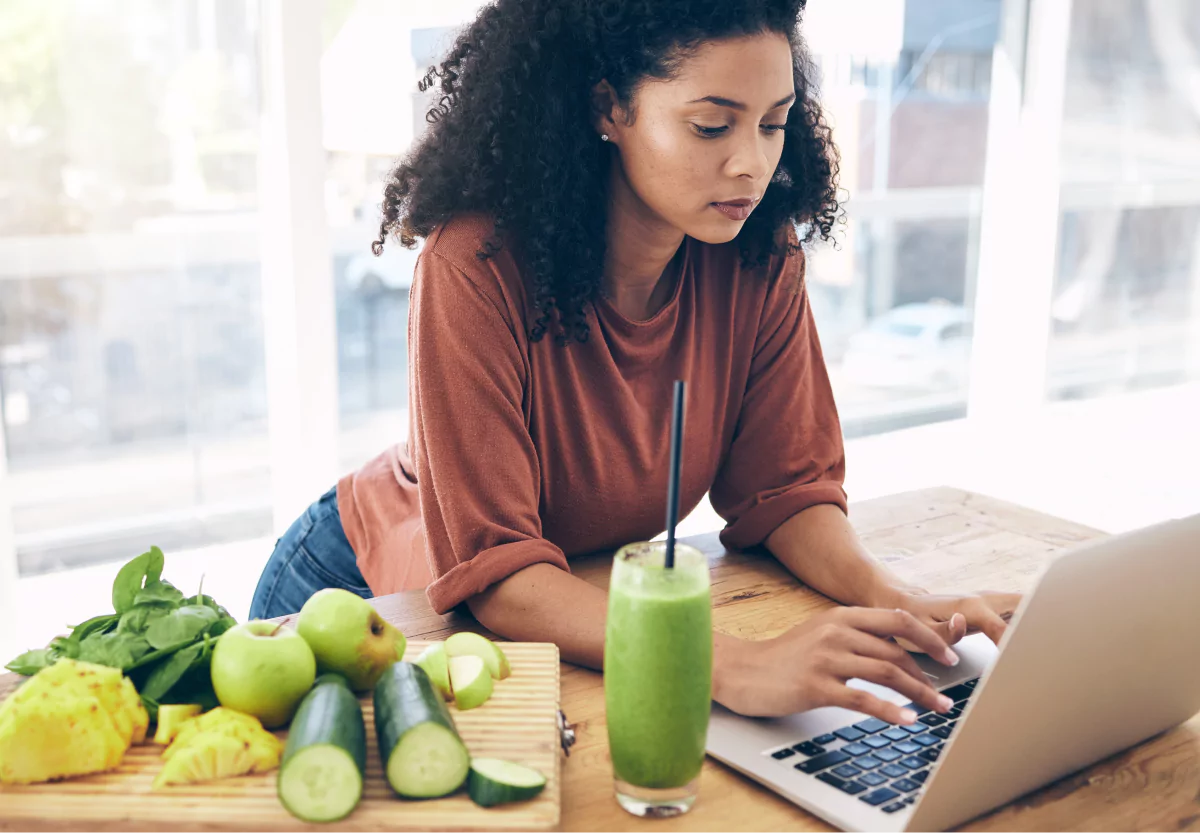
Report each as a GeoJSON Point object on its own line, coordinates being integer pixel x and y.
{"type": "Point", "coordinates": [512, 136]}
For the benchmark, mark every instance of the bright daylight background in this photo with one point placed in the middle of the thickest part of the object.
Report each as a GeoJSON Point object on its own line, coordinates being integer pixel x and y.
{"type": "Point", "coordinates": [195, 340]}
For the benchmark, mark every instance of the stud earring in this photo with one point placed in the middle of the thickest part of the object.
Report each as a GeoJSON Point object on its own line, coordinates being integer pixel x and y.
{"type": "Point", "coordinates": [604, 137]}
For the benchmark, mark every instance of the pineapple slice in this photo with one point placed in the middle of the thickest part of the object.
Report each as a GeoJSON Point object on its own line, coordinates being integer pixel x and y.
{"type": "Point", "coordinates": [53, 733]}
{"type": "Point", "coordinates": [208, 758]}
{"type": "Point", "coordinates": [116, 694]}
{"type": "Point", "coordinates": [171, 717]}
{"type": "Point", "coordinates": [265, 749]}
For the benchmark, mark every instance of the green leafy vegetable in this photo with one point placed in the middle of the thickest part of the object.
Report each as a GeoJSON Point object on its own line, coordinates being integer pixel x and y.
{"type": "Point", "coordinates": [160, 639]}
{"type": "Point", "coordinates": [145, 569]}
{"type": "Point", "coordinates": [180, 625]}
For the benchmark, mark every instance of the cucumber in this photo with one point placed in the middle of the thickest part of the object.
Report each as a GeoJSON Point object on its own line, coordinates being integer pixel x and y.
{"type": "Point", "coordinates": [493, 781]}
{"type": "Point", "coordinates": [422, 754]}
{"type": "Point", "coordinates": [321, 773]}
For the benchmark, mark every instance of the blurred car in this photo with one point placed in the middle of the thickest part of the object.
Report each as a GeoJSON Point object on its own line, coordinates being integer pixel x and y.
{"type": "Point", "coordinates": [923, 346]}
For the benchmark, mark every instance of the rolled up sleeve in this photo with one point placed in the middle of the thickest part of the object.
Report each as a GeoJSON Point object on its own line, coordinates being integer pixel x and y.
{"type": "Point", "coordinates": [477, 469]}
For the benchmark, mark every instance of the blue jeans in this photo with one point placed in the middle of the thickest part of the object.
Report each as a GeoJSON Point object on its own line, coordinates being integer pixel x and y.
{"type": "Point", "coordinates": [312, 555]}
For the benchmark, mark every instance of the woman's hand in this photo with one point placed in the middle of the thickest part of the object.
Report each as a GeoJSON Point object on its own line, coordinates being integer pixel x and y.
{"type": "Point", "coordinates": [954, 616]}
{"type": "Point", "coordinates": [808, 666]}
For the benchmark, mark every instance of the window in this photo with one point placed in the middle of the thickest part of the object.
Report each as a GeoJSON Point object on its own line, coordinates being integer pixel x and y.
{"type": "Point", "coordinates": [131, 347]}
{"type": "Point", "coordinates": [1126, 304]}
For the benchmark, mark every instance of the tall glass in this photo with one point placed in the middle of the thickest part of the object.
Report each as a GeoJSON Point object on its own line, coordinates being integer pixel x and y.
{"type": "Point", "coordinates": [658, 676]}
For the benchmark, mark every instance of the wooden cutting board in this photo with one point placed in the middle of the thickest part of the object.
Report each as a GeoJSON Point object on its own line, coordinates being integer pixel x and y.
{"type": "Point", "coordinates": [519, 723]}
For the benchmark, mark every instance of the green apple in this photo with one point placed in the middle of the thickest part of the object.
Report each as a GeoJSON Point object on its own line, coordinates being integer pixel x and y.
{"type": "Point", "coordinates": [349, 637]}
{"type": "Point", "coordinates": [433, 659]}
{"type": "Point", "coordinates": [262, 669]}
{"type": "Point", "coordinates": [471, 681]}
{"type": "Point", "coordinates": [467, 644]}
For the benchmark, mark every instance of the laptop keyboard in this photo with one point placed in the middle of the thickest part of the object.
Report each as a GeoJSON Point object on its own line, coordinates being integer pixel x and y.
{"type": "Point", "coordinates": [885, 765]}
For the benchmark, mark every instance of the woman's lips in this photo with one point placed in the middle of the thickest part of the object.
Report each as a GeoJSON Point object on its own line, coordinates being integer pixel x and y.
{"type": "Point", "coordinates": [734, 211]}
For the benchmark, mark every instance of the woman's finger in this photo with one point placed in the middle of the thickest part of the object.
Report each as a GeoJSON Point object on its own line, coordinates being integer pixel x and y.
{"type": "Point", "coordinates": [867, 645]}
{"type": "Point", "coordinates": [855, 699]}
{"type": "Point", "coordinates": [900, 623]}
{"type": "Point", "coordinates": [889, 675]}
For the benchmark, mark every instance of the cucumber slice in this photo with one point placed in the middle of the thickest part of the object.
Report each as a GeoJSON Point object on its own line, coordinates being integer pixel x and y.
{"type": "Point", "coordinates": [422, 754]}
{"type": "Point", "coordinates": [321, 774]}
{"type": "Point", "coordinates": [493, 781]}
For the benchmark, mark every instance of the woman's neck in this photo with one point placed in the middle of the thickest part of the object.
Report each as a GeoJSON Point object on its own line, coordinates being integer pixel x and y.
{"type": "Point", "coordinates": [638, 278]}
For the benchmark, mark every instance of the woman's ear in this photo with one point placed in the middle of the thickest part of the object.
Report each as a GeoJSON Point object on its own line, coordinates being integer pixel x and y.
{"type": "Point", "coordinates": [606, 111]}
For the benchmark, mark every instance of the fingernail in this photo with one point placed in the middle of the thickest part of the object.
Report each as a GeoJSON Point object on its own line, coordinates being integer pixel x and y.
{"type": "Point", "coordinates": [944, 701]}
{"type": "Point", "coordinates": [908, 715]}
{"type": "Point", "coordinates": [951, 657]}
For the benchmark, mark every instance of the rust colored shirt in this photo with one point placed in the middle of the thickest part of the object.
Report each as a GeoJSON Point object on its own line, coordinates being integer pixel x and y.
{"type": "Point", "coordinates": [522, 452]}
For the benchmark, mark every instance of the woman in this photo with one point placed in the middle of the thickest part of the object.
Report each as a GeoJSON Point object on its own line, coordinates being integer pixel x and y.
{"type": "Point", "coordinates": [626, 177]}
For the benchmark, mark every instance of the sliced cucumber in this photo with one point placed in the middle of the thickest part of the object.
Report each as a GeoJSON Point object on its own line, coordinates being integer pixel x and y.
{"type": "Point", "coordinates": [422, 754]}
{"type": "Point", "coordinates": [493, 781]}
{"type": "Point", "coordinates": [321, 774]}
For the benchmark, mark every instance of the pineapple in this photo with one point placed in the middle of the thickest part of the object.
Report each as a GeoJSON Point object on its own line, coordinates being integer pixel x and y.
{"type": "Point", "coordinates": [261, 750]}
{"type": "Point", "coordinates": [109, 686]}
{"type": "Point", "coordinates": [70, 719]}
{"type": "Point", "coordinates": [208, 758]}
{"type": "Point", "coordinates": [171, 717]}
{"type": "Point", "coordinates": [55, 734]}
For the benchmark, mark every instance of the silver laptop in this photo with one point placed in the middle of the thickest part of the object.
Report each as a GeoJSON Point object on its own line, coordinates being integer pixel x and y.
{"type": "Point", "coordinates": [1101, 655]}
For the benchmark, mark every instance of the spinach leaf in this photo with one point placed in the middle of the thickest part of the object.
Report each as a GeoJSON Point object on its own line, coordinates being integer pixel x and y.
{"type": "Point", "coordinates": [115, 650]}
{"type": "Point", "coordinates": [31, 662]}
{"type": "Point", "coordinates": [182, 624]}
{"type": "Point", "coordinates": [162, 592]}
{"type": "Point", "coordinates": [138, 617]}
{"type": "Point", "coordinates": [165, 675]}
{"type": "Point", "coordinates": [97, 624]}
{"type": "Point", "coordinates": [145, 569]}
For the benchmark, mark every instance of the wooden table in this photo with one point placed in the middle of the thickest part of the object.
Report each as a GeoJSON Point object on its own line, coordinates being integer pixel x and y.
{"type": "Point", "coordinates": [945, 540]}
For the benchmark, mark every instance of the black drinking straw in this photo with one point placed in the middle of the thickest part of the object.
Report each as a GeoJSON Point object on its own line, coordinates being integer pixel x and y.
{"type": "Point", "coordinates": [673, 483]}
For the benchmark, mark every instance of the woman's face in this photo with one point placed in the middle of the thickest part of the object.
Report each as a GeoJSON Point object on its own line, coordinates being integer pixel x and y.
{"type": "Point", "coordinates": [711, 135]}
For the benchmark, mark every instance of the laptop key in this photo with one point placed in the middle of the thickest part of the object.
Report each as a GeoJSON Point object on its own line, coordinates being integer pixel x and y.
{"type": "Point", "coordinates": [886, 755]}
{"type": "Point", "coordinates": [932, 719]}
{"type": "Point", "coordinates": [911, 798]}
{"type": "Point", "coordinates": [916, 728]}
{"type": "Point", "coordinates": [892, 771]}
{"type": "Point", "coordinates": [907, 747]}
{"type": "Point", "coordinates": [919, 709]}
{"type": "Point", "coordinates": [879, 796]}
{"type": "Point", "coordinates": [913, 763]}
{"type": "Point", "coordinates": [972, 683]}
{"type": "Point", "coordinates": [846, 771]}
{"type": "Point", "coordinates": [943, 731]}
{"type": "Point", "coordinates": [876, 741]}
{"type": "Point", "coordinates": [873, 779]}
{"type": "Point", "coordinates": [895, 734]}
{"type": "Point", "coordinates": [821, 762]}
{"type": "Point", "coordinates": [893, 807]}
{"type": "Point", "coordinates": [925, 740]}
{"type": "Point", "coordinates": [855, 749]}
{"type": "Point", "coordinates": [848, 787]}
{"type": "Point", "coordinates": [930, 755]}
{"type": "Point", "coordinates": [850, 734]}
{"type": "Point", "coordinates": [921, 776]}
{"type": "Point", "coordinates": [867, 762]}
{"type": "Point", "coordinates": [905, 785]}
{"type": "Point", "coordinates": [782, 753]}
{"type": "Point", "coordinates": [824, 740]}
{"type": "Point", "coordinates": [958, 692]}
{"type": "Point", "coordinates": [808, 748]}
{"type": "Point", "coordinates": [954, 713]}
{"type": "Point", "coordinates": [871, 726]}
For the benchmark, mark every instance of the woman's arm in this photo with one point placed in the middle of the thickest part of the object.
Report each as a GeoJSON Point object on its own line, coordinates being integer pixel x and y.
{"type": "Point", "coordinates": [819, 547]}
{"type": "Point", "coordinates": [804, 668]}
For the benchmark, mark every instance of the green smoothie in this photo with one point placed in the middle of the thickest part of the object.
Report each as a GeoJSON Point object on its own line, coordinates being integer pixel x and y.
{"type": "Point", "coordinates": [658, 665]}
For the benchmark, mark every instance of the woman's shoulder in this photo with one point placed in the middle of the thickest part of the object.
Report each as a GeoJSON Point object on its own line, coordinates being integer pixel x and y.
{"type": "Point", "coordinates": [451, 253]}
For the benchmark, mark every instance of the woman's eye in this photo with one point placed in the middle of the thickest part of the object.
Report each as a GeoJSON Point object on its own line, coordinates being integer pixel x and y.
{"type": "Point", "coordinates": [711, 132]}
